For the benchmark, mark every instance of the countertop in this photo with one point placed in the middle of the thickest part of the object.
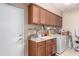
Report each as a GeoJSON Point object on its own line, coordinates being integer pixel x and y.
{"type": "Point", "coordinates": [43, 38]}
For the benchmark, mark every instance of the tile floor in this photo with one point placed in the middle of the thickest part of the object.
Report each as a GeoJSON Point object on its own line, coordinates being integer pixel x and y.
{"type": "Point", "coordinates": [70, 52]}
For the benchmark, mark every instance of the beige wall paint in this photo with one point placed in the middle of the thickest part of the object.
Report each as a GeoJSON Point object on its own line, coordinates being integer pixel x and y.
{"type": "Point", "coordinates": [71, 21]}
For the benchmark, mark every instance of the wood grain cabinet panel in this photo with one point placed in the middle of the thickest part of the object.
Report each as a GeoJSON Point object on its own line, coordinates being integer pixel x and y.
{"type": "Point", "coordinates": [38, 15]}
{"type": "Point", "coordinates": [32, 48]}
{"type": "Point", "coordinates": [33, 14]}
{"type": "Point", "coordinates": [41, 43]}
{"type": "Point", "coordinates": [48, 42]}
{"type": "Point", "coordinates": [36, 49]}
{"type": "Point", "coordinates": [48, 18]}
{"type": "Point", "coordinates": [41, 51]}
{"type": "Point", "coordinates": [41, 48]}
{"type": "Point", "coordinates": [59, 21]}
{"type": "Point", "coordinates": [53, 19]}
{"type": "Point", "coordinates": [44, 48]}
{"type": "Point", "coordinates": [53, 44]}
{"type": "Point", "coordinates": [48, 48]}
{"type": "Point", "coordinates": [42, 16]}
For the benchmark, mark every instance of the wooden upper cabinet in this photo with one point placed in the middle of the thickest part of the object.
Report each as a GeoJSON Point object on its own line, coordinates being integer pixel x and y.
{"type": "Point", "coordinates": [53, 20]}
{"type": "Point", "coordinates": [59, 21]}
{"type": "Point", "coordinates": [38, 15]}
{"type": "Point", "coordinates": [53, 44]}
{"type": "Point", "coordinates": [42, 16]}
{"type": "Point", "coordinates": [48, 18]}
{"type": "Point", "coordinates": [33, 14]}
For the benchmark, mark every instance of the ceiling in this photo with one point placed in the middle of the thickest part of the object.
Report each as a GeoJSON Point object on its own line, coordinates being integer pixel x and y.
{"type": "Point", "coordinates": [64, 7]}
{"type": "Point", "coordinates": [19, 5]}
{"type": "Point", "coordinates": [60, 6]}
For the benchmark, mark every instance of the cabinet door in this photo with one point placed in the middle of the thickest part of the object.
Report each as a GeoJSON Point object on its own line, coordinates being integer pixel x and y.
{"type": "Point", "coordinates": [48, 48]}
{"type": "Point", "coordinates": [32, 48]}
{"type": "Point", "coordinates": [42, 16]}
{"type": "Point", "coordinates": [33, 14]}
{"type": "Point", "coordinates": [59, 21]}
{"type": "Point", "coordinates": [48, 18]}
{"type": "Point", "coordinates": [53, 20]}
{"type": "Point", "coordinates": [53, 46]}
{"type": "Point", "coordinates": [36, 14]}
{"type": "Point", "coordinates": [41, 49]}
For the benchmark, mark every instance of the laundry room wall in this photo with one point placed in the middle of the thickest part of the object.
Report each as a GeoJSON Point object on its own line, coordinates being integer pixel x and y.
{"type": "Point", "coordinates": [71, 21]}
{"type": "Point", "coordinates": [26, 25]}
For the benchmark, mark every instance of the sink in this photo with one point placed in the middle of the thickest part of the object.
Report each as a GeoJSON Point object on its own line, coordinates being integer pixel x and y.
{"type": "Point", "coordinates": [46, 37]}
{"type": "Point", "coordinates": [39, 39]}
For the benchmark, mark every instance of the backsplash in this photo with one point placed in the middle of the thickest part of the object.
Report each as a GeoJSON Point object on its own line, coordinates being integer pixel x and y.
{"type": "Point", "coordinates": [35, 30]}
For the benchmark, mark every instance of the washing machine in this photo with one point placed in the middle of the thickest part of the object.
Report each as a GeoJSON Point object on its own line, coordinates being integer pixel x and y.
{"type": "Point", "coordinates": [61, 43]}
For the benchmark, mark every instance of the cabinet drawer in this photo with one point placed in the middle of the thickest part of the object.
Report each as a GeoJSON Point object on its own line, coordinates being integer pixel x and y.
{"type": "Point", "coordinates": [32, 43]}
{"type": "Point", "coordinates": [54, 41]}
{"type": "Point", "coordinates": [48, 50]}
{"type": "Point", "coordinates": [41, 44]}
{"type": "Point", "coordinates": [48, 42]}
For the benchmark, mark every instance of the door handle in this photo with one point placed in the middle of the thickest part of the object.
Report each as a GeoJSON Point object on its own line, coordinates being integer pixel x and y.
{"type": "Point", "coordinates": [20, 35]}
{"type": "Point", "coordinates": [20, 39]}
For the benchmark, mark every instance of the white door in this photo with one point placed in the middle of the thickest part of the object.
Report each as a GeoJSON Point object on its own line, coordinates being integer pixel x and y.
{"type": "Point", "coordinates": [11, 31]}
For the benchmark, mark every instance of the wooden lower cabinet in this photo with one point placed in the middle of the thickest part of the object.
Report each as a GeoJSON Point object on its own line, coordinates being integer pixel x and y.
{"type": "Point", "coordinates": [32, 48]}
{"type": "Point", "coordinates": [36, 49]}
{"type": "Point", "coordinates": [44, 48]}
{"type": "Point", "coordinates": [53, 46]}
{"type": "Point", "coordinates": [41, 51]}
{"type": "Point", "coordinates": [48, 50]}
{"type": "Point", "coordinates": [41, 48]}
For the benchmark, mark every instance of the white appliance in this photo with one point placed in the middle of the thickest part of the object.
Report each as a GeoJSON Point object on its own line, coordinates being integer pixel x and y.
{"type": "Point", "coordinates": [61, 43]}
{"type": "Point", "coordinates": [77, 36]}
{"type": "Point", "coordinates": [77, 32]}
